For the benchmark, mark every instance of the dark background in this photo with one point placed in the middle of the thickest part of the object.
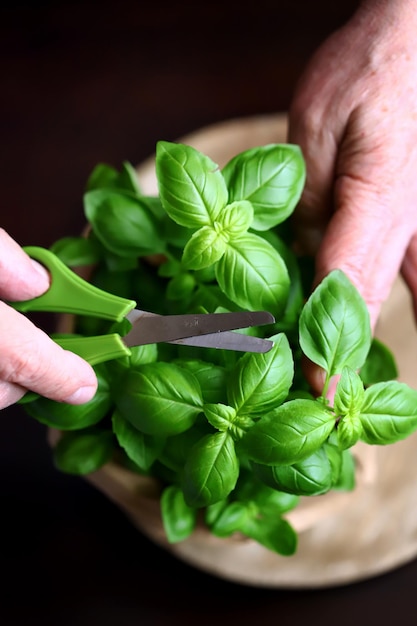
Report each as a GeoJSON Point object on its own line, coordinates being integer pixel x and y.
{"type": "Point", "coordinates": [84, 82]}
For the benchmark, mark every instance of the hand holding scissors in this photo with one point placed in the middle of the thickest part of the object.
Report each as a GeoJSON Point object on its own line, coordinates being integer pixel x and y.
{"type": "Point", "coordinates": [68, 293]}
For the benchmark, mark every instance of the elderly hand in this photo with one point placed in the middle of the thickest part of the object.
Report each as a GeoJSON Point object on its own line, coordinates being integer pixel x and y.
{"type": "Point", "coordinates": [354, 115]}
{"type": "Point", "coordinates": [29, 359]}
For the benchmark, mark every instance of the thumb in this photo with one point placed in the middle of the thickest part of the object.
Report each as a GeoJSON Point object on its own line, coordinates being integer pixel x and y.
{"type": "Point", "coordinates": [30, 360]}
{"type": "Point", "coordinates": [21, 278]}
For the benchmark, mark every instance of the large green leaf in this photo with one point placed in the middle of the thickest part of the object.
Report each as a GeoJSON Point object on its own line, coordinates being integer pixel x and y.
{"type": "Point", "coordinates": [159, 398]}
{"type": "Point", "coordinates": [178, 518]}
{"type": "Point", "coordinates": [191, 186]}
{"type": "Point", "coordinates": [312, 476]}
{"type": "Point", "coordinates": [211, 470]}
{"type": "Point", "coordinates": [388, 413]}
{"type": "Point", "coordinates": [334, 325]}
{"type": "Point", "coordinates": [261, 382]}
{"type": "Point", "coordinates": [252, 274]}
{"type": "Point", "coordinates": [271, 177]}
{"type": "Point", "coordinates": [123, 224]}
{"type": "Point", "coordinates": [289, 434]}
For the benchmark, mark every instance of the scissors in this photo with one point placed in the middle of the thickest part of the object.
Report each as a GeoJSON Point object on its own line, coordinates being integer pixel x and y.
{"type": "Point", "coordinates": [69, 293]}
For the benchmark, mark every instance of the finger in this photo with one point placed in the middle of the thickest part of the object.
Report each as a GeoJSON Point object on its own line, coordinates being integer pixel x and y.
{"type": "Point", "coordinates": [21, 278]}
{"type": "Point", "coordinates": [366, 243]}
{"type": "Point", "coordinates": [409, 271]}
{"type": "Point", "coordinates": [10, 394]}
{"type": "Point", "coordinates": [30, 359]}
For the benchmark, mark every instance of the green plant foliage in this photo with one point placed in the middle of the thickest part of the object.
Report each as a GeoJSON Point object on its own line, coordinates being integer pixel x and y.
{"type": "Point", "coordinates": [237, 437]}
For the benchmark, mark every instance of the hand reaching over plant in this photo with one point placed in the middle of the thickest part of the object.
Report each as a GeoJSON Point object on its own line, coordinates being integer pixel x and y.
{"type": "Point", "coordinates": [354, 115]}
{"type": "Point", "coordinates": [29, 358]}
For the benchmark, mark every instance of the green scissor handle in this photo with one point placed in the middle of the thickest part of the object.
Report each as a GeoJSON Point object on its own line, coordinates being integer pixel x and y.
{"type": "Point", "coordinates": [69, 293]}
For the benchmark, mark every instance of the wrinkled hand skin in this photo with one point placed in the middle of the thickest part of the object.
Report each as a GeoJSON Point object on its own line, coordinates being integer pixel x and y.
{"type": "Point", "coordinates": [29, 359]}
{"type": "Point", "coordinates": [354, 115]}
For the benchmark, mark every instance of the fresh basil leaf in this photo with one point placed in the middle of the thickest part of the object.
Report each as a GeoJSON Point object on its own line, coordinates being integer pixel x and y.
{"type": "Point", "coordinates": [179, 520]}
{"type": "Point", "coordinates": [73, 416]}
{"type": "Point", "coordinates": [205, 247]}
{"type": "Point", "coordinates": [271, 177]}
{"type": "Point", "coordinates": [274, 439]}
{"type": "Point", "coordinates": [177, 448]}
{"type": "Point", "coordinates": [220, 416]}
{"type": "Point", "coordinates": [349, 431]}
{"type": "Point", "coordinates": [334, 455]}
{"type": "Point", "coordinates": [123, 224]}
{"type": "Point", "coordinates": [334, 325]}
{"type": "Point", "coordinates": [76, 251]}
{"type": "Point", "coordinates": [380, 364]}
{"type": "Point", "coordinates": [346, 480]}
{"type": "Point", "coordinates": [388, 413]}
{"type": "Point", "coordinates": [103, 175]}
{"type": "Point", "coordinates": [261, 382]}
{"type": "Point", "coordinates": [82, 452]}
{"type": "Point", "coordinates": [288, 322]}
{"type": "Point", "coordinates": [212, 378]}
{"type": "Point", "coordinates": [128, 179]}
{"type": "Point", "coordinates": [349, 394]}
{"type": "Point", "coordinates": [159, 398]}
{"type": "Point", "coordinates": [273, 532]}
{"type": "Point", "coordinates": [232, 518]}
{"type": "Point", "coordinates": [211, 470]}
{"type": "Point", "coordinates": [256, 494]}
{"type": "Point", "coordinates": [191, 186]}
{"type": "Point", "coordinates": [253, 275]}
{"type": "Point", "coordinates": [142, 449]}
{"type": "Point", "coordinates": [181, 286]}
{"type": "Point", "coordinates": [235, 218]}
{"type": "Point", "coordinates": [310, 477]}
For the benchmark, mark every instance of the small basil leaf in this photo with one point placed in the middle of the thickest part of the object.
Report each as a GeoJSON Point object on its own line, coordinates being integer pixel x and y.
{"type": "Point", "coordinates": [236, 218]}
{"type": "Point", "coordinates": [273, 532]}
{"type": "Point", "coordinates": [180, 286]}
{"type": "Point", "coordinates": [142, 449]}
{"type": "Point", "coordinates": [334, 325]}
{"type": "Point", "coordinates": [191, 186]}
{"type": "Point", "coordinates": [122, 223]}
{"type": "Point", "coordinates": [349, 393]}
{"type": "Point", "coordinates": [349, 431]}
{"type": "Point", "coordinates": [178, 518]}
{"type": "Point", "coordinates": [380, 364]}
{"type": "Point", "coordinates": [388, 413]}
{"type": "Point", "coordinates": [76, 251]}
{"type": "Point", "coordinates": [84, 451]}
{"type": "Point", "coordinates": [261, 382]}
{"type": "Point", "coordinates": [232, 518]}
{"type": "Point", "coordinates": [274, 440]}
{"type": "Point", "coordinates": [346, 480]}
{"type": "Point", "coordinates": [205, 247]}
{"type": "Point", "coordinates": [220, 416]}
{"type": "Point", "coordinates": [211, 470]}
{"type": "Point", "coordinates": [253, 275]}
{"type": "Point", "coordinates": [73, 416]}
{"type": "Point", "coordinates": [271, 177]}
{"type": "Point", "coordinates": [159, 398]}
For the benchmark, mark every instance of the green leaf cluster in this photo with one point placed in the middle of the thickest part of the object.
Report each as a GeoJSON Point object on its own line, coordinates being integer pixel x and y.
{"type": "Point", "coordinates": [238, 437]}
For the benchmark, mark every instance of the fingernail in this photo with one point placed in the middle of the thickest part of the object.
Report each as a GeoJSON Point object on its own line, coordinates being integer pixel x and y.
{"type": "Point", "coordinates": [82, 395]}
{"type": "Point", "coordinates": [42, 273]}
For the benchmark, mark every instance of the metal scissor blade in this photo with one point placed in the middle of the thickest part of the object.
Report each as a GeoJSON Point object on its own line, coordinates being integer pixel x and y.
{"type": "Point", "coordinates": [228, 340]}
{"type": "Point", "coordinates": [150, 328]}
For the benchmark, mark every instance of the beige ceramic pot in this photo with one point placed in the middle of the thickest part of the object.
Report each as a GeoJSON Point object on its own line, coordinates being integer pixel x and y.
{"type": "Point", "coordinates": [343, 537]}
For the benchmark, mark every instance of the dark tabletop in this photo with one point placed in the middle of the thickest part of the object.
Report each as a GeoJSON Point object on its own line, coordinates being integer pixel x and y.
{"type": "Point", "coordinates": [84, 82]}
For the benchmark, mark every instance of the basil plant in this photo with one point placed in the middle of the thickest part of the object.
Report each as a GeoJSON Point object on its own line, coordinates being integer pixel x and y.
{"type": "Point", "coordinates": [234, 438]}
